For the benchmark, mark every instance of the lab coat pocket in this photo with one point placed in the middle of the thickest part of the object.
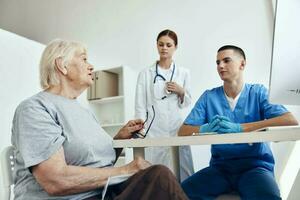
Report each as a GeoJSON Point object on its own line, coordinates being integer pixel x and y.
{"type": "Point", "coordinates": [159, 89]}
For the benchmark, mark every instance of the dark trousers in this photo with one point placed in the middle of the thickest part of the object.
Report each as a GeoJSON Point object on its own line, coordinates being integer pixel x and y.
{"type": "Point", "coordinates": [254, 184]}
{"type": "Point", "coordinates": [156, 182]}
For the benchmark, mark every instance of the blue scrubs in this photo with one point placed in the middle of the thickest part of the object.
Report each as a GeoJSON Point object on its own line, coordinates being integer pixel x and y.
{"type": "Point", "coordinates": [234, 159]}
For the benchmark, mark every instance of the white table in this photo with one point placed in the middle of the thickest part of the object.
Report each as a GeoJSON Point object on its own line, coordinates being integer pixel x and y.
{"type": "Point", "coordinates": [275, 134]}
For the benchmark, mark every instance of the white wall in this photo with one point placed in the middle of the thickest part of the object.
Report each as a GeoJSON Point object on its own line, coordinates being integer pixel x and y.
{"type": "Point", "coordinates": [19, 78]}
{"type": "Point", "coordinates": [123, 32]}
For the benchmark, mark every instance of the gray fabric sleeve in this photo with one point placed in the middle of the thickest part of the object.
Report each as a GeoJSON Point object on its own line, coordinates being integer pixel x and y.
{"type": "Point", "coordinates": [39, 136]}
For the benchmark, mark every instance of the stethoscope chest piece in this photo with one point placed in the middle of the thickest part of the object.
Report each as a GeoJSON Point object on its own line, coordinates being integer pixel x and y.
{"type": "Point", "coordinates": [159, 82]}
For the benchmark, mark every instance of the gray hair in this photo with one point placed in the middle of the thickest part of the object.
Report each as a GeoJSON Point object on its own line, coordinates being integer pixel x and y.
{"type": "Point", "coordinates": [57, 48]}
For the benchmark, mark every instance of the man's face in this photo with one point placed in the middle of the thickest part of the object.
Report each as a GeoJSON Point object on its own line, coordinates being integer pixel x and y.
{"type": "Point", "coordinates": [230, 65]}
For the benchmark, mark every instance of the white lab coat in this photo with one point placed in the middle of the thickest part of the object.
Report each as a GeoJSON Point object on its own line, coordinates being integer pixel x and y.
{"type": "Point", "coordinates": [168, 118]}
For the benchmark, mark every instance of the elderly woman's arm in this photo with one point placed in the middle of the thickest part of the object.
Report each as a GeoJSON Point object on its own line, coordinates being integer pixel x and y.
{"type": "Point", "coordinates": [58, 178]}
{"type": "Point", "coordinates": [126, 132]}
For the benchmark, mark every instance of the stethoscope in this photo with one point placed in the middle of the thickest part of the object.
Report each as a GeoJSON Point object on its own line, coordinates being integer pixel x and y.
{"type": "Point", "coordinates": [157, 75]}
{"type": "Point", "coordinates": [161, 76]}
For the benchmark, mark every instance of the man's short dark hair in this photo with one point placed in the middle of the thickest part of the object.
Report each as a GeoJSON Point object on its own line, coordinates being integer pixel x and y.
{"type": "Point", "coordinates": [234, 48]}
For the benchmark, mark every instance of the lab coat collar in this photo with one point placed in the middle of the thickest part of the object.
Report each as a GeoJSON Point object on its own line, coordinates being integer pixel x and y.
{"type": "Point", "coordinates": [153, 66]}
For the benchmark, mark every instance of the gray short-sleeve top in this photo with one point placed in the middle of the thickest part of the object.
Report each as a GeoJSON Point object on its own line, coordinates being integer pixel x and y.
{"type": "Point", "coordinates": [41, 126]}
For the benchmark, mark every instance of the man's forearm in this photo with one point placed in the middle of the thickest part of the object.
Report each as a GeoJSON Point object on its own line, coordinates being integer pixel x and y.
{"type": "Point", "coordinates": [286, 119]}
{"type": "Point", "coordinates": [187, 130]}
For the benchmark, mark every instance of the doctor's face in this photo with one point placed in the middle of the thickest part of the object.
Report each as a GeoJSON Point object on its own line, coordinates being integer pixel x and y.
{"type": "Point", "coordinates": [230, 65]}
{"type": "Point", "coordinates": [166, 47]}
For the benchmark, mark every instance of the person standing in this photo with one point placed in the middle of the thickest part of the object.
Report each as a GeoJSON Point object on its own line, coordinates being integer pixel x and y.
{"type": "Point", "coordinates": [162, 91]}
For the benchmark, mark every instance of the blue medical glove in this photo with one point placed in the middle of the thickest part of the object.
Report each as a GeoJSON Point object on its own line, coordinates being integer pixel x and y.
{"type": "Point", "coordinates": [215, 117]}
{"type": "Point", "coordinates": [223, 118]}
{"type": "Point", "coordinates": [229, 127]}
{"type": "Point", "coordinates": [210, 127]}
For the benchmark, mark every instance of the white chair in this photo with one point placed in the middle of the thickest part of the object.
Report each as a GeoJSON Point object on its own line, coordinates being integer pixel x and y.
{"type": "Point", "coordinates": [228, 197]}
{"type": "Point", "coordinates": [7, 166]}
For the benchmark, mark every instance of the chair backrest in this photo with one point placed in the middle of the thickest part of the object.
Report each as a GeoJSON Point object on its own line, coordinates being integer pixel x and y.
{"type": "Point", "coordinates": [7, 166]}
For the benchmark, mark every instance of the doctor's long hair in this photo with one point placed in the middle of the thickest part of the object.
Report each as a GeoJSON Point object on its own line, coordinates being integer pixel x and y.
{"type": "Point", "coordinates": [170, 34]}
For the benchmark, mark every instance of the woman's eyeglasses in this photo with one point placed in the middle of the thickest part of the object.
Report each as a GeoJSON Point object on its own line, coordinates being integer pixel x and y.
{"type": "Point", "coordinates": [138, 134]}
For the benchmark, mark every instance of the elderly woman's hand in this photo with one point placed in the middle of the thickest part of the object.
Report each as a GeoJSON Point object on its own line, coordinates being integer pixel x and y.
{"type": "Point", "coordinates": [136, 165]}
{"type": "Point", "coordinates": [126, 131]}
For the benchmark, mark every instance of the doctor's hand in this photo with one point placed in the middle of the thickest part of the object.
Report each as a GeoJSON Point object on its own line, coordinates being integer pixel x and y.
{"type": "Point", "coordinates": [136, 165]}
{"type": "Point", "coordinates": [126, 131]}
{"type": "Point", "coordinates": [222, 118]}
{"type": "Point", "coordinates": [175, 88]}
{"type": "Point", "coordinates": [229, 127]}
{"type": "Point", "coordinates": [212, 126]}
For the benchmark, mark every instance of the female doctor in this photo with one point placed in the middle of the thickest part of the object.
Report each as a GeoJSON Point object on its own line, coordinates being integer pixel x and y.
{"type": "Point", "coordinates": [161, 91]}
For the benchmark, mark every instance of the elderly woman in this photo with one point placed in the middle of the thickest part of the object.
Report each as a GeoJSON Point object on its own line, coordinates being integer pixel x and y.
{"type": "Point", "coordinates": [61, 150]}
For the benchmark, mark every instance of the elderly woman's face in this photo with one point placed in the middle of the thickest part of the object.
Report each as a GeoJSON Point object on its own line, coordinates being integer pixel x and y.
{"type": "Point", "coordinates": [80, 71]}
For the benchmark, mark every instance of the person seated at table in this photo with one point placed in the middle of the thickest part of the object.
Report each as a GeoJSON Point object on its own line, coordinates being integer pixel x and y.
{"type": "Point", "coordinates": [233, 108]}
{"type": "Point", "coordinates": [61, 150]}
